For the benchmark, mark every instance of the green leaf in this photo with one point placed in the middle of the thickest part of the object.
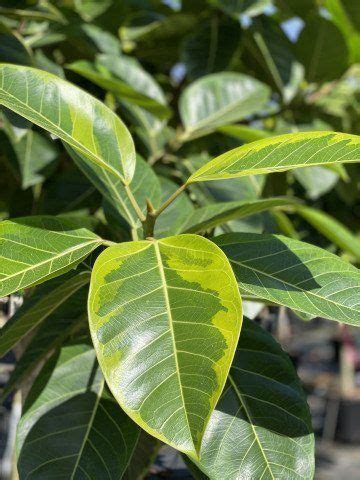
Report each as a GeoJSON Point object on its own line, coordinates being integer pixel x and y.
{"type": "Point", "coordinates": [35, 249]}
{"type": "Point", "coordinates": [150, 128]}
{"type": "Point", "coordinates": [242, 7]}
{"type": "Point", "coordinates": [42, 303]}
{"type": "Point", "coordinates": [211, 47]}
{"type": "Point", "coordinates": [316, 180]}
{"type": "Point", "coordinates": [244, 133]}
{"type": "Point", "coordinates": [90, 9]}
{"type": "Point", "coordinates": [173, 219]}
{"type": "Point", "coordinates": [280, 153]}
{"type": "Point", "coordinates": [215, 214]}
{"type": "Point", "coordinates": [219, 99]}
{"type": "Point", "coordinates": [59, 323]}
{"type": "Point", "coordinates": [295, 274]}
{"type": "Point", "coordinates": [68, 191]}
{"type": "Point", "coordinates": [322, 50]}
{"type": "Point", "coordinates": [261, 427]}
{"type": "Point", "coordinates": [72, 114]}
{"type": "Point", "coordinates": [154, 309]}
{"type": "Point", "coordinates": [269, 52]}
{"type": "Point", "coordinates": [332, 229]}
{"type": "Point", "coordinates": [71, 426]}
{"type": "Point", "coordinates": [12, 48]}
{"type": "Point", "coordinates": [346, 16]}
{"type": "Point", "coordinates": [142, 458]}
{"type": "Point", "coordinates": [126, 92]}
{"type": "Point", "coordinates": [31, 154]}
{"type": "Point", "coordinates": [145, 184]}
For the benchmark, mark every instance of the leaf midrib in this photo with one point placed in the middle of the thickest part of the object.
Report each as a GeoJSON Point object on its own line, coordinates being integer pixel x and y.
{"type": "Point", "coordinates": [87, 433]}
{"type": "Point", "coordinates": [171, 328]}
{"type": "Point", "coordinates": [247, 413]}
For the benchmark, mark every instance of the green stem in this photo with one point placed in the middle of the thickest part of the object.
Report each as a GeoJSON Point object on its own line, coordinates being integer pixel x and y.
{"type": "Point", "coordinates": [169, 200]}
{"type": "Point", "coordinates": [134, 203]}
{"type": "Point", "coordinates": [108, 243]}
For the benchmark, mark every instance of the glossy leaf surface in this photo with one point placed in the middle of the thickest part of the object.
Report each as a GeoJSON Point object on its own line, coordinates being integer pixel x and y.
{"type": "Point", "coordinates": [281, 153]}
{"type": "Point", "coordinates": [261, 427]}
{"type": "Point", "coordinates": [35, 249]}
{"type": "Point", "coordinates": [154, 308]}
{"type": "Point", "coordinates": [219, 99]}
{"type": "Point", "coordinates": [295, 274]}
{"type": "Point", "coordinates": [72, 114]}
{"type": "Point", "coordinates": [72, 428]}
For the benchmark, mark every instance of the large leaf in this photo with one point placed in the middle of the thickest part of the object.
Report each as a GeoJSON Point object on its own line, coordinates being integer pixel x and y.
{"type": "Point", "coordinates": [58, 323]}
{"type": "Point", "coordinates": [269, 52]}
{"type": "Point", "coordinates": [145, 184]}
{"type": "Point", "coordinates": [332, 229]}
{"type": "Point", "coordinates": [211, 47]}
{"type": "Point", "coordinates": [155, 307]}
{"type": "Point", "coordinates": [295, 274]}
{"type": "Point", "coordinates": [281, 153]}
{"type": "Point", "coordinates": [261, 427]}
{"type": "Point", "coordinates": [35, 249]}
{"type": "Point", "coordinates": [42, 303]}
{"type": "Point", "coordinates": [322, 50]}
{"type": "Point", "coordinates": [72, 114]}
{"type": "Point", "coordinates": [123, 90]}
{"type": "Point", "coordinates": [71, 426]}
{"type": "Point", "coordinates": [219, 99]}
{"type": "Point", "coordinates": [215, 214]}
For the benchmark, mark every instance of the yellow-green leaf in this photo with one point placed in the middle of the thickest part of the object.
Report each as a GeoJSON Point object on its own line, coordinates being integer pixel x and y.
{"type": "Point", "coordinates": [71, 114]}
{"type": "Point", "coordinates": [165, 317]}
{"type": "Point", "coordinates": [280, 153]}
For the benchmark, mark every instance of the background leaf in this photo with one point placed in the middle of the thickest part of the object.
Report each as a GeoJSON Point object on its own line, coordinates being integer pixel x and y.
{"type": "Point", "coordinates": [35, 249]}
{"type": "Point", "coordinates": [261, 427]}
{"type": "Point", "coordinates": [71, 426]}
{"type": "Point", "coordinates": [219, 99]}
{"type": "Point", "coordinates": [215, 214]}
{"type": "Point", "coordinates": [295, 274]}
{"type": "Point", "coordinates": [322, 50]}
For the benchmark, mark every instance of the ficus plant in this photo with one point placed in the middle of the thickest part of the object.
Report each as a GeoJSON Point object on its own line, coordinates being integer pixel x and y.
{"type": "Point", "coordinates": [164, 312]}
{"type": "Point", "coordinates": [166, 170]}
